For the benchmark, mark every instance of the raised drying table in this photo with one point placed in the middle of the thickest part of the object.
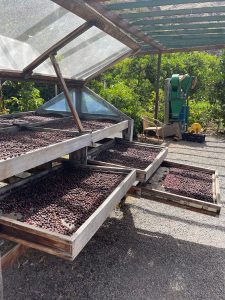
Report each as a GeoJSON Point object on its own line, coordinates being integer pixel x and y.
{"type": "Point", "coordinates": [144, 158]}
{"type": "Point", "coordinates": [185, 186]}
{"type": "Point", "coordinates": [23, 149]}
{"type": "Point", "coordinates": [100, 128]}
{"type": "Point", "coordinates": [76, 201]}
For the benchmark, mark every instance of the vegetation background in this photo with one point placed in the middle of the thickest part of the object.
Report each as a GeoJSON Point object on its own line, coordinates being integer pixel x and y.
{"type": "Point", "coordinates": [130, 86]}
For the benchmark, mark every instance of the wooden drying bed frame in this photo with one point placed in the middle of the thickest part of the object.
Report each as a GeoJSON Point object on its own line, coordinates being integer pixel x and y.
{"type": "Point", "coordinates": [142, 175]}
{"type": "Point", "coordinates": [144, 190]}
{"type": "Point", "coordinates": [67, 247]}
{"type": "Point", "coordinates": [34, 158]}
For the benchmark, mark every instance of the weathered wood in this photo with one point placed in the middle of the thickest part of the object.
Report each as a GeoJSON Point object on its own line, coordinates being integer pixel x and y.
{"type": "Point", "coordinates": [12, 255]}
{"type": "Point", "coordinates": [182, 201]}
{"type": "Point", "coordinates": [61, 245]}
{"type": "Point", "coordinates": [66, 92]}
{"type": "Point", "coordinates": [79, 157]}
{"type": "Point", "coordinates": [89, 228]}
{"type": "Point", "coordinates": [60, 44]}
{"type": "Point", "coordinates": [157, 85]}
{"type": "Point", "coordinates": [108, 131]}
{"type": "Point", "coordinates": [31, 159]}
{"type": "Point", "coordinates": [142, 175]}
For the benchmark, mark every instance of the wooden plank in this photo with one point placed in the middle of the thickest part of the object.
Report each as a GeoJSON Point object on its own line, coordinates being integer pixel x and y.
{"type": "Point", "coordinates": [108, 131]}
{"type": "Point", "coordinates": [168, 163]}
{"type": "Point", "coordinates": [66, 93]}
{"type": "Point", "coordinates": [185, 49]}
{"type": "Point", "coordinates": [31, 159]}
{"type": "Point", "coordinates": [85, 11]}
{"type": "Point", "coordinates": [92, 224]}
{"type": "Point", "coordinates": [15, 75]}
{"type": "Point", "coordinates": [60, 44]}
{"type": "Point", "coordinates": [62, 245]}
{"type": "Point", "coordinates": [95, 151]}
{"type": "Point", "coordinates": [150, 170]}
{"type": "Point", "coordinates": [12, 255]}
{"type": "Point", "coordinates": [181, 201]}
{"type": "Point", "coordinates": [142, 175]}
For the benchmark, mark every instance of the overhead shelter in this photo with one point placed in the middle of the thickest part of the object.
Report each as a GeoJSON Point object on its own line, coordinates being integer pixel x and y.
{"type": "Point", "coordinates": [168, 26]}
{"type": "Point", "coordinates": [83, 41]}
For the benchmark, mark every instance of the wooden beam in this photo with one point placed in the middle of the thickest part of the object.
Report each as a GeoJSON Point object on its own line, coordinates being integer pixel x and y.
{"type": "Point", "coordinates": [85, 11]}
{"type": "Point", "coordinates": [66, 93]}
{"type": "Point", "coordinates": [12, 255]}
{"type": "Point", "coordinates": [19, 76]}
{"type": "Point", "coordinates": [184, 49]}
{"type": "Point", "coordinates": [157, 86]}
{"type": "Point", "coordinates": [152, 3]}
{"type": "Point", "coordinates": [126, 26]}
{"type": "Point", "coordinates": [60, 44]}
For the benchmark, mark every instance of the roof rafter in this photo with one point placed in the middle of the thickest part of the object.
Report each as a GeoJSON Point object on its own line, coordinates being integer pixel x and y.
{"type": "Point", "coordinates": [53, 49]}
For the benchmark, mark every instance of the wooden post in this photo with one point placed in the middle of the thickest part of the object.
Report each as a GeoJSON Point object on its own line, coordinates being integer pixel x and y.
{"type": "Point", "coordinates": [157, 86]}
{"type": "Point", "coordinates": [66, 93]}
{"type": "Point", "coordinates": [12, 255]}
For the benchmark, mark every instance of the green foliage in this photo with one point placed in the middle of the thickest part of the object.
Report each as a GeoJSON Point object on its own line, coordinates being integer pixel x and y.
{"type": "Point", "coordinates": [24, 96]}
{"type": "Point", "coordinates": [130, 85]}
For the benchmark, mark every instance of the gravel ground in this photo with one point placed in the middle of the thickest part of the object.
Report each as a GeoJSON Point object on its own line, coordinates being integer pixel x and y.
{"type": "Point", "coordinates": [145, 250]}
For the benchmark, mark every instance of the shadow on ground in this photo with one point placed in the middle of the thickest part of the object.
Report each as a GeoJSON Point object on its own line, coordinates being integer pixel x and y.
{"type": "Point", "coordinates": [122, 262]}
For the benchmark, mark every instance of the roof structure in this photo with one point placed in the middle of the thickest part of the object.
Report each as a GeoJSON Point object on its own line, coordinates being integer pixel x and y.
{"type": "Point", "coordinates": [83, 41]}
{"type": "Point", "coordinates": [161, 26]}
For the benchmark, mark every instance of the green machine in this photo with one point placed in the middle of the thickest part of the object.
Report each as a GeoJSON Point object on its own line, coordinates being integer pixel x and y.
{"type": "Point", "coordinates": [176, 100]}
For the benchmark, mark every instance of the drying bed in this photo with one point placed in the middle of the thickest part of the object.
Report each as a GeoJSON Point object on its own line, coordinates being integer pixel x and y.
{"type": "Point", "coordinates": [144, 158]}
{"type": "Point", "coordinates": [25, 149]}
{"type": "Point", "coordinates": [25, 118]}
{"type": "Point", "coordinates": [92, 125]}
{"type": "Point", "coordinates": [185, 185]}
{"type": "Point", "coordinates": [100, 128]}
{"type": "Point", "coordinates": [60, 211]}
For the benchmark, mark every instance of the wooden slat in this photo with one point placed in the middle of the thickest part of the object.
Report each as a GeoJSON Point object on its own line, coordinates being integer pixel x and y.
{"type": "Point", "coordinates": [108, 131]}
{"type": "Point", "coordinates": [66, 93]}
{"type": "Point", "coordinates": [12, 255]}
{"type": "Point", "coordinates": [89, 228]}
{"type": "Point", "coordinates": [60, 44]}
{"type": "Point", "coordinates": [172, 12]}
{"type": "Point", "coordinates": [40, 156]}
{"type": "Point", "coordinates": [150, 3]}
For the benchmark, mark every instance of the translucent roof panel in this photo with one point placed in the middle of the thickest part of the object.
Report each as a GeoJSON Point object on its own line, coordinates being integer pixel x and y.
{"type": "Point", "coordinates": [91, 105]}
{"type": "Point", "coordinates": [167, 25]}
{"type": "Point", "coordinates": [59, 103]}
{"type": "Point", "coordinates": [28, 28]}
{"type": "Point", "coordinates": [86, 55]}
